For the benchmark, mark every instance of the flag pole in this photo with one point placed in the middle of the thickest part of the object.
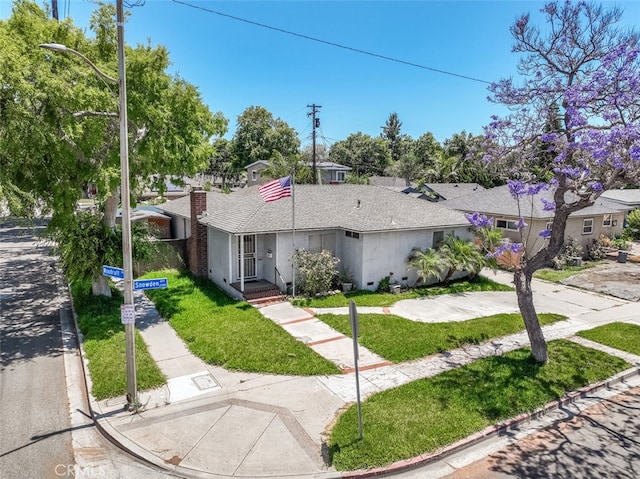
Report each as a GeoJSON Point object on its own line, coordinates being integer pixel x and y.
{"type": "Point", "coordinates": [293, 230]}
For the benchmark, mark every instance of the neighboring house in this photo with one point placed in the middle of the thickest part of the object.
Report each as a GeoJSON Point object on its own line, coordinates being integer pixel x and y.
{"type": "Point", "coordinates": [159, 222]}
{"type": "Point", "coordinates": [237, 238]}
{"type": "Point", "coordinates": [253, 172]}
{"type": "Point", "coordinates": [450, 191]}
{"type": "Point", "coordinates": [180, 213]}
{"type": "Point", "coordinates": [428, 191]}
{"type": "Point", "coordinates": [628, 200]}
{"type": "Point", "coordinates": [329, 173]}
{"type": "Point", "coordinates": [601, 219]}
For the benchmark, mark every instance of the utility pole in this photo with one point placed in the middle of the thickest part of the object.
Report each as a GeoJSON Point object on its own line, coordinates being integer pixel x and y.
{"type": "Point", "coordinates": [127, 262]}
{"type": "Point", "coordinates": [54, 8]}
{"type": "Point", "coordinates": [315, 123]}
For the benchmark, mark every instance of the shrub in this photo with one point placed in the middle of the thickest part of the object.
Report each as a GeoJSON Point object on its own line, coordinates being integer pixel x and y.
{"type": "Point", "coordinates": [383, 285]}
{"type": "Point", "coordinates": [597, 248]}
{"type": "Point", "coordinates": [315, 272]}
{"type": "Point", "coordinates": [632, 229]}
{"type": "Point", "coordinates": [571, 249]}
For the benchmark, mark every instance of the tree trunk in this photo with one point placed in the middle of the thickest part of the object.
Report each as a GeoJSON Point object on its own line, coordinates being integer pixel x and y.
{"type": "Point", "coordinates": [111, 209]}
{"type": "Point", "coordinates": [100, 286]}
{"type": "Point", "coordinates": [522, 279]}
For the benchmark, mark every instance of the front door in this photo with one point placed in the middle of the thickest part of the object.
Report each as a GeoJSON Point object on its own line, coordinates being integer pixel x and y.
{"type": "Point", "coordinates": [249, 256]}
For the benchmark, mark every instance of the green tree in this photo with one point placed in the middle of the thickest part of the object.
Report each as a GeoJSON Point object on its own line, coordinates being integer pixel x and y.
{"type": "Point", "coordinates": [365, 154]}
{"type": "Point", "coordinates": [279, 167]}
{"type": "Point", "coordinates": [427, 148]}
{"type": "Point", "coordinates": [391, 133]}
{"type": "Point", "coordinates": [408, 167]}
{"type": "Point", "coordinates": [59, 122]}
{"type": "Point", "coordinates": [258, 136]}
{"type": "Point", "coordinates": [222, 164]}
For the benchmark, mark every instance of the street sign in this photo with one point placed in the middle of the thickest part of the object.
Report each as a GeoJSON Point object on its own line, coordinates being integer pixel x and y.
{"type": "Point", "coordinates": [113, 272]}
{"type": "Point", "coordinates": [140, 284]}
{"type": "Point", "coordinates": [128, 314]}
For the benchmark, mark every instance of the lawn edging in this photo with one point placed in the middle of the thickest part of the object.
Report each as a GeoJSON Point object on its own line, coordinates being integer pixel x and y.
{"type": "Point", "coordinates": [490, 431]}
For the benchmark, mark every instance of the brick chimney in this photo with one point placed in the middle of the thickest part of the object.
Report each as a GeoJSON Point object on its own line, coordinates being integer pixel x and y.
{"type": "Point", "coordinates": [197, 243]}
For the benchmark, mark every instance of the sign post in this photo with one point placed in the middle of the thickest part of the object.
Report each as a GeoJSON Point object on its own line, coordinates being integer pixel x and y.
{"type": "Point", "coordinates": [353, 319]}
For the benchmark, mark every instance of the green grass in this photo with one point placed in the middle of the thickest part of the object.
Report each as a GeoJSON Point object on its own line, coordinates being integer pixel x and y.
{"type": "Point", "coordinates": [622, 336]}
{"type": "Point", "coordinates": [372, 298]}
{"type": "Point", "coordinates": [425, 415]}
{"type": "Point", "coordinates": [104, 344]}
{"type": "Point", "coordinates": [230, 333]}
{"type": "Point", "coordinates": [398, 339]}
{"type": "Point", "coordinates": [556, 275]}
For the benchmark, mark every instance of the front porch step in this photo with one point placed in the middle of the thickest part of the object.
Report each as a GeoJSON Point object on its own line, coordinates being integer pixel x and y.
{"type": "Point", "coordinates": [267, 291]}
{"type": "Point", "coordinates": [267, 300]}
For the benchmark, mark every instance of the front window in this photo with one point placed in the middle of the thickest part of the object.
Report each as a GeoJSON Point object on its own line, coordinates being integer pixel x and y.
{"type": "Point", "coordinates": [340, 176]}
{"type": "Point", "coordinates": [438, 238]}
{"type": "Point", "coordinates": [587, 226]}
{"type": "Point", "coordinates": [607, 220]}
{"type": "Point", "coordinates": [507, 225]}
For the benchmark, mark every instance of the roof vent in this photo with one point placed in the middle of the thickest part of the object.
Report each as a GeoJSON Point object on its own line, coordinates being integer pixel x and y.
{"type": "Point", "coordinates": [358, 205]}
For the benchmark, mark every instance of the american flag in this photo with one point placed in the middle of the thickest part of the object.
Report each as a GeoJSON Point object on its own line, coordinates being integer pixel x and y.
{"type": "Point", "coordinates": [276, 189]}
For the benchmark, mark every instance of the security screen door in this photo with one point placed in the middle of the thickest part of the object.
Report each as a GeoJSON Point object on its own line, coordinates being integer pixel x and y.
{"type": "Point", "coordinates": [249, 256]}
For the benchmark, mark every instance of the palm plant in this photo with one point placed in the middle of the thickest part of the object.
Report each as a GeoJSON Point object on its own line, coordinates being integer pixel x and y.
{"type": "Point", "coordinates": [428, 264]}
{"type": "Point", "coordinates": [461, 255]}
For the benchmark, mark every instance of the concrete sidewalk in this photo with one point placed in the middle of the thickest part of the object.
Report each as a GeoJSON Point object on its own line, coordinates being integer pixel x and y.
{"type": "Point", "coordinates": [209, 422]}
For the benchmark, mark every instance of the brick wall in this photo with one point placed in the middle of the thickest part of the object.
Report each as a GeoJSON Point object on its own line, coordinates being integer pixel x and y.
{"type": "Point", "coordinates": [197, 243]}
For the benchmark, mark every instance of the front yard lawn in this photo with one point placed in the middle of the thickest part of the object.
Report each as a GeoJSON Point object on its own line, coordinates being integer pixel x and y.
{"type": "Point", "coordinates": [557, 275]}
{"type": "Point", "coordinates": [372, 298]}
{"type": "Point", "coordinates": [398, 339]}
{"type": "Point", "coordinates": [426, 415]}
{"type": "Point", "coordinates": [230, 333]}
{"type": "Point", "coordinates": [622, 336]}
{"type": "Point", "coordinates": [104, 344]}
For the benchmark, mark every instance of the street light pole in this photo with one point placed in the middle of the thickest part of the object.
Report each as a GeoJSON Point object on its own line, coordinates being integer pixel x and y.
{"type": "Point", "coordinates": [128, 309]}
{"type": "Point", "coordinates": [127, 262]}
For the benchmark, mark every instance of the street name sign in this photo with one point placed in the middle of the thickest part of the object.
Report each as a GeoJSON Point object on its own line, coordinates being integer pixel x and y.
{"type": "Point", "coordinates": [140, 284]}
{"type": "Point", "coordinates": [113, 272]}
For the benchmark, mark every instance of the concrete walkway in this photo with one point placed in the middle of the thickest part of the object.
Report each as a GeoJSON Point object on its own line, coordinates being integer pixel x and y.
{"type": "Point", "coordinates": [210, 422]}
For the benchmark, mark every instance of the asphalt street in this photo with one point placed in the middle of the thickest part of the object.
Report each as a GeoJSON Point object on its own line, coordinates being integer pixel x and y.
{"type": "Point", "coordinates": [602, 441]}
{"type": "Point", "coordinates": [45, 426]}
{"type": "Point", "coordinates": [35, 430]}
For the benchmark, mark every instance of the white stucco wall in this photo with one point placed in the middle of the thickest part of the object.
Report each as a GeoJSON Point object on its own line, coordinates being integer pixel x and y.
{"type": "Point", "coordinates": [218, 250]}
{"type": "Point", "coordinates": [386, 253]}
{"type": "Point", "coordinates": [573, 229]}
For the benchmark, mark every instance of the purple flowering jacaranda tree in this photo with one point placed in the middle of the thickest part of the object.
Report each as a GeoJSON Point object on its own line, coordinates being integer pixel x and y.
{"type": "Point", "coordinates": [573, 126]}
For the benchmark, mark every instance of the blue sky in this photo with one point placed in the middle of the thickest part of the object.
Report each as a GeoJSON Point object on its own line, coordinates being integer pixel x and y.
{"type": "Point", "coordinates": [236, 65]}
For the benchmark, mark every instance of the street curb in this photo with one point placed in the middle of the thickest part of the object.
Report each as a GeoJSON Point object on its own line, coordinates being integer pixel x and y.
{"type": "Point", "coordinates": [424, 459]}
{"type": "Point", "coordinates": [106, 430]}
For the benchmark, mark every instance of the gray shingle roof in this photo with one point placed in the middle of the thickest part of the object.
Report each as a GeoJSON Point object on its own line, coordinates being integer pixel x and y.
{"type": "Point", "coordinates": [629, 197]}
{"type": "Point", "coordinates": [498, 201]}
{"type": "Point", "coordinates": [179, 207]}
{"type": "Point", "coordinates": [455, 190]}
{"type": "Point", "coordinates": [360, 208]}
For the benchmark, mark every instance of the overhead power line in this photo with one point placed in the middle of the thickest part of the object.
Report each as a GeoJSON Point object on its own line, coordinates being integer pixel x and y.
{"type": "Point", "coordinates": [333, 44]}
